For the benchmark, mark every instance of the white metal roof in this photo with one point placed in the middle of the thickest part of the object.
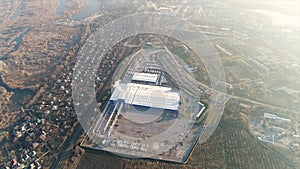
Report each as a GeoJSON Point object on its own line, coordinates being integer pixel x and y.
{"type": "Point", "coordinates": [147, 95]}
{"type": "Point", "coordinates": [146, 77]}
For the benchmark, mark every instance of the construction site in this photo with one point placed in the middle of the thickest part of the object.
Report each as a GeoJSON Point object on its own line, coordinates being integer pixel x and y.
{"type": "Point", "coordinates": [150, 114]}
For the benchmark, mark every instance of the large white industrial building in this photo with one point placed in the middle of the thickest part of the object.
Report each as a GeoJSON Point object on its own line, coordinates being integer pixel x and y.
{"type": "Point", "coordinates": [145, 77]}
{"type": "Point", "coordinates": [146, 95]}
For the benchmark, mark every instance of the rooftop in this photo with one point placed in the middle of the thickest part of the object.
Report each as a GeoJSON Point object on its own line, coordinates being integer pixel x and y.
{"type": "Point", "coordinates": [145, 77]}
{"type": "Point", "coordinates": [147, 95]}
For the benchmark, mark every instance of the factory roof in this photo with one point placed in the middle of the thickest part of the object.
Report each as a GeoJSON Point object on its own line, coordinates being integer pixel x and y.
{"type": "Point", "coordinates": [145, 77]}
{"type": "Point", "coordinates": [147, 95]}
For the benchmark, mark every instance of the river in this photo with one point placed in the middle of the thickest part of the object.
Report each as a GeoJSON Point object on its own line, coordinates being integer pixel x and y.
{"type": "Point", "coordinates": [92, 7]}
{"type": "Point", "coordinates": [18, 41]}
{"type": "Point", "coordinates": [17, 13]}
{"type": "Point", "coordinates": [279, 18]}
{"type": "Point", "coordinates": [61, 7]}
{"type": "Point", "coordinates": [18, 93]}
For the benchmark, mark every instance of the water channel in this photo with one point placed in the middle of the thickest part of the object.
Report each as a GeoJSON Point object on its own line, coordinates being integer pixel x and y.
{"type": "Point", "coordinates": [92, 7]}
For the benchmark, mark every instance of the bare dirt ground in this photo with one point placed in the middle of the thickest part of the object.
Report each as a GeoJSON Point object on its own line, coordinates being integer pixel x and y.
{"type": "Point", "coordinates": [141, 130]}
